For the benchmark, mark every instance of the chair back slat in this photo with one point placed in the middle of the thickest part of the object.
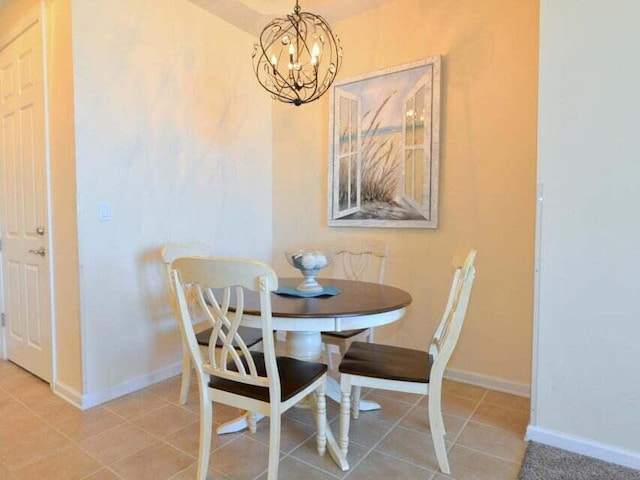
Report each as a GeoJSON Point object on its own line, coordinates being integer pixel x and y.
{"type": "Point", "coordinates": [175, 250]}
{"type": "Point", "coordinates": [448, 331]}
{"type": "Point", "coordinates": [219, 286]}
{"type": "Point", "coordinates": [360, 259]}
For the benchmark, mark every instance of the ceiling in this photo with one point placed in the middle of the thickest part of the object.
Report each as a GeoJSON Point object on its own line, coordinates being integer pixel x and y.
{"type": "Point", "coordinates": [278, 7]}
{"type": "Point", "coordinates": [252, 15]}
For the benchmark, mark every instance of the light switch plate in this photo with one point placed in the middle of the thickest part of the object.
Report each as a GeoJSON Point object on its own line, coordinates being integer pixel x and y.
{"type": "Point", "coordinates": [104, 212]}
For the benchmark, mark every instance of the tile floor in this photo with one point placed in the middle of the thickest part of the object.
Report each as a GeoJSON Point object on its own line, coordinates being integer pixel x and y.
{"type": "Point", "coordinates": [147, 435]}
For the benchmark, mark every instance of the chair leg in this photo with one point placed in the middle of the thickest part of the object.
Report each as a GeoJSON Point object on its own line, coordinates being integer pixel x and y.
{"type": "Point", "coordinates": [437, 428]}
{"type": "Point", "coordinates": [327, 349]}
{"type": "Point", "coordinates": [206, 419]}
{"type": "Point", "coordinates": [274, 443]}
{"type": "Point", "coordinates": [345, 407]}
{"type": "Point", "coordinates": [355, 402]}
{"type": "Point", "coordinates": [320, 410]}
{"type": "Point", "coordinates": [370, 338]}
{"type": "Point", "coordinates": [186, 376]}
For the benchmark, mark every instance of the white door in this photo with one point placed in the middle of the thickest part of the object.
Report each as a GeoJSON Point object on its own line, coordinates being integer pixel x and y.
{"type": "Point", "coordinates": [25, 259]}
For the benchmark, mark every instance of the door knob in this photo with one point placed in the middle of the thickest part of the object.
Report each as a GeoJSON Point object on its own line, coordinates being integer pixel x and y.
{"type": "Point", "coordinates": [40, 231]}
{"type": "Point", "coordinates": [39, 251]}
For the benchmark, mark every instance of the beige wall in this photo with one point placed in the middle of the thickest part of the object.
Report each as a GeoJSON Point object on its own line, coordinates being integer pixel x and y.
{"type": "Point", "coordinates": [63, 194]}
{"type": "Point", "coordinates": [487, 181]}
{"type": "Point", "coordinates": [587, 355]}
{"type": "Point", "coordinates": [173, 134]}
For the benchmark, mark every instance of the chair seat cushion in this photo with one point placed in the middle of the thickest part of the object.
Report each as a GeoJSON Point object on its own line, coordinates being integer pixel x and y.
{"type": "Point", "coordinates": [388, 362]}
{"type": "Point", "coordinates": [346, 334]}
{"type": "Point", "coordinates": [251, 337]}
{"type": "Point", "coordinates": [295, 376]}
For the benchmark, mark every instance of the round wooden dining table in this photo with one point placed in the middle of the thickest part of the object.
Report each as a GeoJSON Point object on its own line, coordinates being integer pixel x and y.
{"type": "Point", "coordinates": [358, 305]}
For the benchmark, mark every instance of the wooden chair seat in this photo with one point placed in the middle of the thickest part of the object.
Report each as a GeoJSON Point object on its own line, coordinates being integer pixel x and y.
{"type": "Point", "coordinates": [399, 369]}
{"type": "Point", "coordinates": [346, 334]}
{"type": "Point", "coordinates": [388, 362]}
{"type": "Point", "coordinates": [251, 337]}
{"type": "Point", "coordinates": [294, 376]}
{"type": "Point", "coordinates": [231, 374]}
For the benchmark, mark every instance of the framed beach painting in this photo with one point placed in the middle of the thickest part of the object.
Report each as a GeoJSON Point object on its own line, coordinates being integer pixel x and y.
{"type": "Point", "coordinates": [384, 148]}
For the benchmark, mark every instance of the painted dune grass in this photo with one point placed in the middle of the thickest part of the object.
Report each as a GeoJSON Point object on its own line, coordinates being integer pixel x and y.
{"type": "Point", "coordinates": [380, 170]}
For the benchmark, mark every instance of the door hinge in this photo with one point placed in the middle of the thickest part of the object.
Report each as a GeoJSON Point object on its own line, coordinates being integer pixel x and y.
{"type": "Point", "coordinates": [2, 319]}
{"type": "Point", "coordinates": [0, 245]}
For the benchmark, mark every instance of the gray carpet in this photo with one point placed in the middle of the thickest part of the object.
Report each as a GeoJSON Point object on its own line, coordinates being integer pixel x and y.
{"type": "Point", "coordinates": [542, 462]}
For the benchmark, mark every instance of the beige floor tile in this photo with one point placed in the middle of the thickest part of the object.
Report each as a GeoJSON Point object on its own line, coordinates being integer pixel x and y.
{"type": "Point", "coordinates": [38, 395]}
{"type": "Point", "coordinates": [494, 441]}
{"type": "Point", "coordinates": [3, 393]}
{"type": "Point", "coordinates": [292, 433]}
{"type": "Point", "coordinates": [411, 398]}
{"type": "Point", "coordinates": [56, 411]}
{"type": "Point", "coordinates": [89, 423]}
{"type": "Point", "coordinates": [26, 448]}
{"type": "Point", "coordinates": [188, 439]}
{"type": "Point", "coordinates": [155, 462]}
{"type": "Point", "coordinates": [377, 465]}
{"type": "Point", "coordinates": [463, 389]}
{"type": "Point", "coordinates": [241, 459]}
{"type": "Point", "coordinates": [170, 389]}
{"type": "Point", "coordinates": [308, 453]}
{"type": "Point", "coordinates": [16, 418]}
{"type": "Point", "coordinates": [391, 410]}
{"type": "Point", "coordinates": [190, 472]}
{"type": "Point", "coordinates": [223, 413]}
{"type": "Point", "coordinates": [454, 405]}
{"type": "Point", "coordinates": [68, 464]}
{"type": "Point", "coordinates": [10, 373]}
{"type": "Point", "coordinates": [411, 446]}
{"type": "Point", "coordinates": [23, 384]}
{"type": "Point", "coordinates": [136, 404]}
{"type": "Point", "coordinates": [305, 415]}
{"type": "Point", "coordinates": [364, 431]}
{"type": "Point", "coordinates": [505, 418]}
{"type": "Point", "coordinates": [467, 464]}
{"type": "Point", "coordinates": [506, 400]}
{"type": "Point", "coordinates": [116, 443]}
{"type": "Point", "coordinates": [103, 474]}
{"type": "Point", "coordinates": [418, 419]}
{"type": "Point", "coordinates": [292, 469]}
{"type": "Point", "coordinates": [166, 420]}
{"type": "Point", "coordinates": [4, 473]}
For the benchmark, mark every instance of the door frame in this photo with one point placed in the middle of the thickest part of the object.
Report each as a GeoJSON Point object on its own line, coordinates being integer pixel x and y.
{"type": "Point", "coordinates": [36, 14]}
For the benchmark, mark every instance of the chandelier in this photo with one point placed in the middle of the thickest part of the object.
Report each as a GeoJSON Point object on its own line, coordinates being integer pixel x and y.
{"type": "Point", "coordinates": [297, 58]}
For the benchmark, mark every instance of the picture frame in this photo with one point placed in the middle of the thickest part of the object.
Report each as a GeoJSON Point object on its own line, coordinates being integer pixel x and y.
{"type": "Point", "coordinates": [384, 147]}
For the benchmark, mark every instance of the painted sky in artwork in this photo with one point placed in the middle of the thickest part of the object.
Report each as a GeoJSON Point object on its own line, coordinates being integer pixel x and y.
{"type": "Point", "coordinates": [373, 91]}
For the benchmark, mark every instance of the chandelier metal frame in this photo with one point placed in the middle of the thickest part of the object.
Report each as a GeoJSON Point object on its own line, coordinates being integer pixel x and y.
{"type": "Point", "coordinates": [298, 57]}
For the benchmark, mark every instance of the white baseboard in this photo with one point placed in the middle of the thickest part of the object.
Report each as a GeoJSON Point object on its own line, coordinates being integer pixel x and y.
{"type": "Point", "coordinates": [583, 446]}
{"type": "Point", "coordinates": [89, 400]}
{"type": "Point", "coordinates": [69, 394]}
{"type": "Point", "coordinates": [493, 383]}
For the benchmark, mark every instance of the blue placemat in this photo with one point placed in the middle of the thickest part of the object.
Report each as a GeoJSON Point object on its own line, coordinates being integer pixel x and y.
{"type": "Point", "coordinates": [328, 290]}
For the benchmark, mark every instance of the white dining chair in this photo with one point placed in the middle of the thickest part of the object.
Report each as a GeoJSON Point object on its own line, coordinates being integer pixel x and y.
{"type": "Point", "coordinates": [355, 259]}
{"type": "Point", "coordinates": [233, 375]}
{"type": "Point", "coordinates": [406, 370]}
{"type": "Point", "coordinates": [202, 328]}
